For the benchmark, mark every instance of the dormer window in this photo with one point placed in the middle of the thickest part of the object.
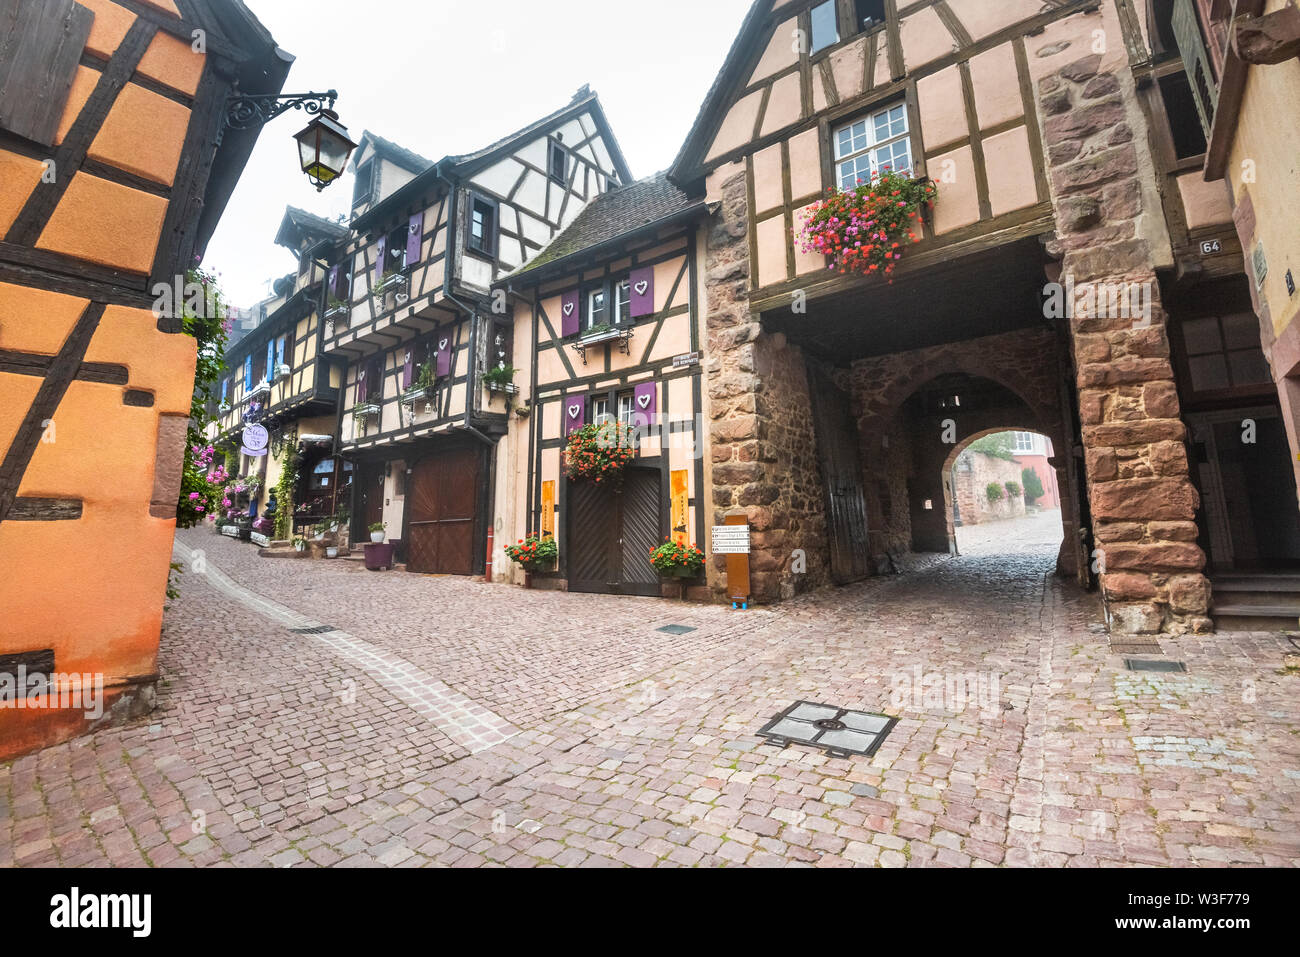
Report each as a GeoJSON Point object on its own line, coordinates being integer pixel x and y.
{"type": "Point", "coordinates": [364, 188]}
{"type": "Point", "coordinates": [558, 163]}
{"type": "Point", "coordinates": [483, 226]}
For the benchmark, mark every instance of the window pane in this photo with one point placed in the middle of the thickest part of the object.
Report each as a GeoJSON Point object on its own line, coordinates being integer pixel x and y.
{"type": "Point", "coordinates": [1249, 367]}
{"type": "Point", "coordinates": [1208, 373]}
{"type": "Point", "coordinates": [1241, 331]}
{"type": "Point", "coordinates": [1202, 335]}
{"type": "Point", "coordinates": [623, 300]}
{"type": "Point", "coordinates": [824, 31]}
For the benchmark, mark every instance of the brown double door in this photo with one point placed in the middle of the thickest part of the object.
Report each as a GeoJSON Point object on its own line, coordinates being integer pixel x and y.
{"type": "Point", "coordinates": [441, 504]}
{"type": "Point", "coordinates": [611, 532]}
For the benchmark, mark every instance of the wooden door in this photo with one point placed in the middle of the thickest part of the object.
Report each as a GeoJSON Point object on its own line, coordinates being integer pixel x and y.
{"type": "Point", "coordinates": [370, 501]}
{"type": "Point", "coordinates": [610, 533]}
{"type": "Point", "coordinates": [442, 502]}
{"type": "Point", "coordinates": [846, 505]}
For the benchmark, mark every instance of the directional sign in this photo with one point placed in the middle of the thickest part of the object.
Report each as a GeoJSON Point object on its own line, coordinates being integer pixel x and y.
{"type": "Point", "coordinates": [731, 539]}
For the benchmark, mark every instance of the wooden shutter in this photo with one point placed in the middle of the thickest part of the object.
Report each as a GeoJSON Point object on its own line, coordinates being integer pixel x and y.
{"type": "Point", "coordinates": [570, 313]}
{"type": "Point", "coordinates": [414, 239]}
{"type": "Point", "coordinates": [362, 386]}
{"type": "Point", "coordinates": [446, 348]}
{"type": "Point", "coordinates": [1191, 47]}
{"type": "Point", "coordinates": [380, 251]}
{"type": "Point", "coordinates": [408, 369]}
{"type": "Point", "coordinates": [248, 374]}
{"type": "Point", "coordinates": [642, 287]}
{"type": "Point", "coordinates": [40, 48]}
{"type": "Point", "coordinates": [575, 413]}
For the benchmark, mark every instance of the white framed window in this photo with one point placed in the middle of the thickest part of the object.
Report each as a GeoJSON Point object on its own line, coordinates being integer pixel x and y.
{"type": "Point", "coordinates": [622, 301]}
{"type": "Point", "coordinates": [1026, 442]}
{"type": "Point", "coordinates": [599, 411]}
{"type": "Point", "coordinates": [597, 308]}
{"type": "Point", "coordinates": [872, 144]}
{"type": "Point", "coordinates": [625, 409]}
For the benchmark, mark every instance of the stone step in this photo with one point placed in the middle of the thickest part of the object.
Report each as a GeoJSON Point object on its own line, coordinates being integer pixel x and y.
{"type": "Point", "coordinates": [1288, 600]}
{"type": "Point", "coordinates": [1242, 617]}
{"type": "Point", "coordinates": [1244, 582]}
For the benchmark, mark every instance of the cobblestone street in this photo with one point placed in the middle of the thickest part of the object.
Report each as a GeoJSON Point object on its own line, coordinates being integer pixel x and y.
{"type": "Point", "coordinates": [319, 714]}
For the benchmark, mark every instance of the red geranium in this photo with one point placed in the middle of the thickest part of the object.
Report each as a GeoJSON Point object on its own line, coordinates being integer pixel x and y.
{"type": "Point", "coordinates": [862, 229]}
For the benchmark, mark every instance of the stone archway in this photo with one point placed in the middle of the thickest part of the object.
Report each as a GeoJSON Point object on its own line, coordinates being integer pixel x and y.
{"type": "Point", "coordinates": [1011, 381]}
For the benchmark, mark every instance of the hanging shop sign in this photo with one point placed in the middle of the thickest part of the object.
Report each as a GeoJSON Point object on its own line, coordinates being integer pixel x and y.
{"type": "Point", "coordinates": [256, 440]}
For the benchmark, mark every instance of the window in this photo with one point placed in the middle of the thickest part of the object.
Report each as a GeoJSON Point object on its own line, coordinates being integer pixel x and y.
{"type": "Point", "coordinates": [597, 308]}
{"type": "Point", "coordinates": [599, 411]}
{"type": "Point", "coordinates": [395, 250]}
{"type": "Point", "coordinates": [483, 226]}
{"type": "Point", "coordinates": [871, 145]}
{"type": "Point", "coordinates": [1184, 121]}
{"type": "Point", "coordinates": [622, 302]}
{"type": "Point", "coordinates": [558, 163]}
{"type": "Point", "coordinates": [1223, 353]}
{"type": "Point", "coordinates": [824, 31]}
{"type": "Point", "coordinates": [625, 409]}
{"type": "Point", "coordinates": [341, 288]}
{"type": "Point", "coordinates": [869, 14]}
{"type": "Point", "coordinates": [1025, 443]}
{"type": "Point", "coordinates": [363, 189]}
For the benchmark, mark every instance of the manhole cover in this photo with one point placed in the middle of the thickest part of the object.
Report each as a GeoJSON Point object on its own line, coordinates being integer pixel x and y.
{"type": "Point", "coordinates": [837, 731]}
{"type": "Point", "coordinates": [318, 630]}
{"type": "Point", "coordinates": [676, 629]}
{"type": "Point", "coordinates": [1169, 667]}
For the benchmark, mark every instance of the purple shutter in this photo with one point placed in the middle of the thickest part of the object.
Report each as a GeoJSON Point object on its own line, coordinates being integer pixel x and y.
{"type": "Point", "coordinates": [380, 251]}
{"type": "Point", "coordinates": [570, 313]}
{"type": "Point", "coordinates": [642, 282]}
{"type": "Point", "coordinates": [645, 403]}
{"type": "Point", "coordinates": [575, 413]}
{"type": "Point", "coordinates": [445, 349]}
{"type": "Point", "coordinates": [363, 389]}
{"type": "Point", "coordinates": [415, 239]}
{"type": "Point", "coordinates": [408, 370]}
{"type": "Point", "coordinates": [334, 283]}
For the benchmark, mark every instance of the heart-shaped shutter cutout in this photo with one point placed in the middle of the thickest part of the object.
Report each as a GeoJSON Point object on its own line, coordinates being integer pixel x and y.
{"type": "Point", "coordinates": [568, 308]}
{"type": "Point", "coordinates": [574, 410]}
{"type": "Point", "coordinates": [643, 400]}
{"type": "Point", "coordinates": [442, 344]}
{"type": "Point", "coordinates": [641, 287]}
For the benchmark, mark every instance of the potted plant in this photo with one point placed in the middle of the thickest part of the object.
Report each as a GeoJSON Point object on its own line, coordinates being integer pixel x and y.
{"type": "Point", "coordinates": [426, 379]}
{"type": "Point", "coordinates": [299, 545]}
{"type": "Point", "coordinates": [363, 410]}
{"type": "Point", "coordinates": [599, 453]}
{"type": "Point", "coordinates": [534, 554]}
{"type": "Point", "coordinates": [335, 307]}
{"type": "Point", "coordinates": [674, 560]}
{"type": "Point", "coordinates": [332, 551]}
{"type": "Point", "coordinates": [501, 379]}
{"type": "Point", "coordinates": [318, 531]}
{"type": "Point", "coordinates": [599, 333]}
{"type": "Point", "coordinates": [377, 532]}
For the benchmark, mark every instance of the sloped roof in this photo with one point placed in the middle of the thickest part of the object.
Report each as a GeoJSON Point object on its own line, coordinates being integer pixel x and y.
{"type": "Point", "coordinates": [298, 223]}
{"type": "Point", "coordinates": [612, 216]}
{"type": "Point", "coordinates": [400, 155]}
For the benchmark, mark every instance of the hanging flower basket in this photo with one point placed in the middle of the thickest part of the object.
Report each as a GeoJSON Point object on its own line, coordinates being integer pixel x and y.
{"type": "Point", "coordinates": [673, 560]}
{"type": "Point", "coordinates": [534, 554]}
{"type": "Point", "coordinates": [599, 453]}
{"type": "Point", "coordinates": [864, 230]}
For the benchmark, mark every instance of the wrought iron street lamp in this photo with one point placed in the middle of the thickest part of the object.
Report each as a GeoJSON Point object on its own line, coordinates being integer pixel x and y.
{"type": "Point", "coordinates": [323, 147]}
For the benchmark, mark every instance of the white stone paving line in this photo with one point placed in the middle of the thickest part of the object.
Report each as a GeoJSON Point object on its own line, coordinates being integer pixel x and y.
{"type": "Point", "coordinates": [463, 720]}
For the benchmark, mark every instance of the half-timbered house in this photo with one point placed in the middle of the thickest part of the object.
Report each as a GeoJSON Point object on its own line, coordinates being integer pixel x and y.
{"type": "Point", "coordinates": [1064, 147]}
{"type": "Point", "coordinates": [113, 175]}
{"type": "Point", "coordinates": [607, 327]}
{"type": "Point", "coordinates": [278, 379]}
{"type": "Point", "coordinates": [410, 312]}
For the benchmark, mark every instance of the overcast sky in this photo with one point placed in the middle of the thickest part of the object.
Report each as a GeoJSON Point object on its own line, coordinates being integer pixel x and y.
{"type": "Point", "coordinates": [443, 77]}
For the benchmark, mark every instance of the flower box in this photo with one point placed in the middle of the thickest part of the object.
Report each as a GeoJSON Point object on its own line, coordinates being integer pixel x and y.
{"type": "Point", "coordinates": [282, 371]}
{"type": "Point", "coordinates": [259, 389]}
{"type": "Point", "coordinates": [365, 411]}
{"type": "Point", "coordinates": [412, 396]}
{"type": "Point", "coordinates": [339, 311]}
{"type": "Point", "coordinates": [504, 388]}
{"type": "Point", "coordinates": [609, 335]}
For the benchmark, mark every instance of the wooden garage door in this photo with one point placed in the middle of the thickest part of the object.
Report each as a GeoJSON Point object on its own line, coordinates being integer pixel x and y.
{"type": "Point", "coordinates": [611, 531]}
{"type": "Point", "coordinates": [442, 499]}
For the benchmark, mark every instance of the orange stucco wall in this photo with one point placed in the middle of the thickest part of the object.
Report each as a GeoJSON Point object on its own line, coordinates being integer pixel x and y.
{"type": "Point", "coordinates": [92, 589]}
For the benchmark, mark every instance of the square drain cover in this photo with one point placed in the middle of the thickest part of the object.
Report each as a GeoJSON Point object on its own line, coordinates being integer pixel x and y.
{"type": "Point", "coordinates": [1135, 648]}
{"type": "Point", "coordinates": [837, 731]}
{"type": "Point", "coordinates": [676, 629]}
{"type": "Point", "coordinates": [1137, 664]}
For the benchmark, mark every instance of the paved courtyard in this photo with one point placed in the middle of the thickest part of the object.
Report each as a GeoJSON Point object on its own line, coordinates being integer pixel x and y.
{"type": "Point", "coordinates": [319, 714]}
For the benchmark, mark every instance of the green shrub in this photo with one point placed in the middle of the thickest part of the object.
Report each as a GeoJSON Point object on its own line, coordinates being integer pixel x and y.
{"type": "Point", "coordinates": [1013, 489]}
{"type": "Point", "coordinates": [1033, 486]}
{"type": "Point", "coordinates": [995, 492]}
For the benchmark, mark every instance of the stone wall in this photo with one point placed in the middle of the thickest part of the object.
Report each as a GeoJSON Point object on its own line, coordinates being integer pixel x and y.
{"type": "Point", "coordinates": [1143, 502]}
{"type": "Point", "coordinates": [971, 477]}
{"type": "Point", "coordinates": [763, 450]}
